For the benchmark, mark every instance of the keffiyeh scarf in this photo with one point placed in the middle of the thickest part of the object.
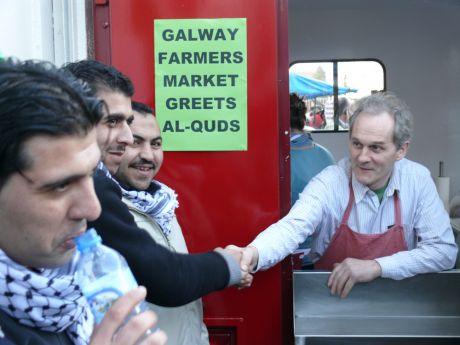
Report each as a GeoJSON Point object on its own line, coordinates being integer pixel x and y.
{"type": "Point", "coordinates": [159, 201]}
{"type": "Point", "coordinates": [50, 300]}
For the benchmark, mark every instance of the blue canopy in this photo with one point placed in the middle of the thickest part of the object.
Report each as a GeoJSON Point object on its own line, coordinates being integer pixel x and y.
{"type": "Point", "coordinates": [311, 88]}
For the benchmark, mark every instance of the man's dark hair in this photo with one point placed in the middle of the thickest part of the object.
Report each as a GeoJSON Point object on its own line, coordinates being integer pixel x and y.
{"type": "Point", "coordinates": [141, 108]}
{"type": "Point", "coordinates": [101, 77]}
{"type": "Point", "coordinates": [298, 110]}
{"type": "Point", "coordinates": [38, 99]}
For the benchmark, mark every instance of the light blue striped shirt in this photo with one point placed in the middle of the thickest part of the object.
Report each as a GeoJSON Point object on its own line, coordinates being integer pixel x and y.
{"type": "Point", "coordinates": [321, 205]}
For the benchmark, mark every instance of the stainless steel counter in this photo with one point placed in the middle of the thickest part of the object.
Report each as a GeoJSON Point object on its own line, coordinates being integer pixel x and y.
{"type": "Point", "coordinates": [425, 306]}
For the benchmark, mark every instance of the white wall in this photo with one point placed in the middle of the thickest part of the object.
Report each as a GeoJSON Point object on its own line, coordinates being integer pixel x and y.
{"type": "Point", "coordinates": [52, 30]}
{"type": "Point", "coordinates": [418, 43]}
{"type": "Point", "coordinates": [26, 29]}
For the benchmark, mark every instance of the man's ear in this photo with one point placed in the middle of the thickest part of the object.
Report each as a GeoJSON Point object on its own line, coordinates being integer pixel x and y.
{"type": "Point", "coordinates": [402, 151]}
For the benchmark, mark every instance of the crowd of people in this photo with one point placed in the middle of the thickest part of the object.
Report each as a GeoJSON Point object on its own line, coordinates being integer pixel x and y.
{"type": "Point", "coordinates": [77, 152]}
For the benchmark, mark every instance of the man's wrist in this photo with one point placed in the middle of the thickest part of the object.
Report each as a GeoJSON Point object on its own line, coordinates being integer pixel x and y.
{"type": "Point", "coordinates": [255, 258]}
{"type": "Point", "coordinates": [377, 268]}
{"type": "Point", "coordinates": [233, 265]}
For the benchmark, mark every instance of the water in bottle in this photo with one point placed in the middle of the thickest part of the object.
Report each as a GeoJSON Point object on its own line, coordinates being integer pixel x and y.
{"type": "Point", "coordinates": [102, 274]}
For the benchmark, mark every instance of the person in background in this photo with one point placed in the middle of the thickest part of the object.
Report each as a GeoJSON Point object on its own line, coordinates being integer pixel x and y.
{"type": "Point", "coordinates": [374, 214]}
{"type": "Point", "coordinates": [48, 153]}
{"type": "Point", "coordinates": [308, 158]}
{"type": "Point", "coordinates": [317, 117]}
{"type": "Point", "coordinates": [153, 206]}
{"type": "Point", "coordinates": [343, 110]}
{"type": "Point", "coordinates": [172, 279]}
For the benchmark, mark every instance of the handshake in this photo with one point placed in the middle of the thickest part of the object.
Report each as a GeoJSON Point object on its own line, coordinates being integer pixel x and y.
{"type": "Point", "coordinates": [247, 257]}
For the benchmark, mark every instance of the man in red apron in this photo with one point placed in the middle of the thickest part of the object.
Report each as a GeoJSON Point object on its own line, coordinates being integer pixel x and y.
{"type": "Point", "coordinates": [374, 214]}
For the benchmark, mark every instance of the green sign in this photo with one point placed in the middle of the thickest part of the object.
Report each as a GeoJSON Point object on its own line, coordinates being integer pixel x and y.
{"type": "Point", "coordinates": [201, 83]}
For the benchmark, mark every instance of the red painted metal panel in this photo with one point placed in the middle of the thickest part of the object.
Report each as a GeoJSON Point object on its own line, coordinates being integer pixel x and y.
{"type": "Point", "coordinates": [225, 197]}
{"type": "Point", "coordinates": [102, 47]}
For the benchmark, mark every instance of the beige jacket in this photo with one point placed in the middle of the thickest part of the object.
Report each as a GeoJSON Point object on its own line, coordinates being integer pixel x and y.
{"type": "Point", "coordinates": [183, 325]}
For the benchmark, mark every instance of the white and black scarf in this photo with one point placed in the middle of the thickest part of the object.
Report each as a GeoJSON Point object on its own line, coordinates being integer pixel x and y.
{"type": "Point", "coordinates": [159, 201]}
{"type": "Point", "coordinates": [50, 300]}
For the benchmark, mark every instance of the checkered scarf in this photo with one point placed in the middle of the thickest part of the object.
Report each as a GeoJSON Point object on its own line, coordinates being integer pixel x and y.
{"type": "Point", "coordinates": [49, 300]}
{"type": "Point", "coordinates": [159, 201]}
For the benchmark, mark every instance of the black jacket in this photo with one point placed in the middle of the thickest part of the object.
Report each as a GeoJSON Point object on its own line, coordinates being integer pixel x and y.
{"type": "Point", "coordinates": [23, 335]}
{"type": "Point", "coordinates": [171, 279]}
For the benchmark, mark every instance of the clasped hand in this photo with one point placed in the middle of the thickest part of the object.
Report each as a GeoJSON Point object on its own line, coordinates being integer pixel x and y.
{"type": "Point", "coordinates": [247, 258]}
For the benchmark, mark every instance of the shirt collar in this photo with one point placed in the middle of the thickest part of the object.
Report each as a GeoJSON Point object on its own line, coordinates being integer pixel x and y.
{"type": "Point", "coordinates": [360, 190]}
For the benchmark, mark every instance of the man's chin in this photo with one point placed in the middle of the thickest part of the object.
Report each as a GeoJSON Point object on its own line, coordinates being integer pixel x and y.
{"type": "Point", "coordinates": [113, 167]}
{"type": "Point", "coordinates": [142, 184]}
{"type": "Point", "coordinates": [56, 261]}
{"type": "Point", "coordinates": [112, 162]}
{"type": "Point", "coordinates": [363, 180]}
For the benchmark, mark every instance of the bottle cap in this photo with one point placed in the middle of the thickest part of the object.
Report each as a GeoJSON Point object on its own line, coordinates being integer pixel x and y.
{"type": "Point", "coordinates": [88, 240]}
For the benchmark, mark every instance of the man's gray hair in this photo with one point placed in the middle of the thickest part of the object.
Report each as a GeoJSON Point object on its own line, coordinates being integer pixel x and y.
{"type": "Point", "coordinates": [381, 102]}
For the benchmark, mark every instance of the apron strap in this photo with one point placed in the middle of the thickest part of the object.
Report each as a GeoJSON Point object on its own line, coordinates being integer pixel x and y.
{"type": "Point", "coordinates": [397, 208]}
{"type": "Point", "coordinates": [351, 200]}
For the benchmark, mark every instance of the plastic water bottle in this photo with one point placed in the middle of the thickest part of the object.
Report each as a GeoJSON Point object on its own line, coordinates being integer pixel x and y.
{"type": "Point", "coordinates": [103, 275]}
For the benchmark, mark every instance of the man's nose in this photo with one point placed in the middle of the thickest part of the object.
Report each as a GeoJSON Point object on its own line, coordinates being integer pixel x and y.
{"type": "Point", "coordinates": [87, 205]}
{"type": "Point", "coordinates": [146, 153]}
{"type": "Point", "coordinates": [364, 154]}
{"type": "Point", "coordinates": [125, 136]}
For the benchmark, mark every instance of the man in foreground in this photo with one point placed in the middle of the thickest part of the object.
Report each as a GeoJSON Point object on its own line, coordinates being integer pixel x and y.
{"type": "Point", "coordinates": [48, 153]}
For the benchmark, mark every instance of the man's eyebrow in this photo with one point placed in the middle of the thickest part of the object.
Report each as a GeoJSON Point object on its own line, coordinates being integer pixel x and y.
{"type": "Point", "coordinates": [377, 143]}
{"type": "Point", "coordinates": [138, 137]}
{"type": "Point", "coordinates": [115, 116]}
{"type": "Point", "coordinates": [66, 180]}
{"type": "Point", "coordinates": [141, 138]}
{"type": "Point", "coordinates": [130, 119]}
{"type": "Point", "coordinates": [372, 143]}
{"type": "Point", "coordinates": [54, 184]}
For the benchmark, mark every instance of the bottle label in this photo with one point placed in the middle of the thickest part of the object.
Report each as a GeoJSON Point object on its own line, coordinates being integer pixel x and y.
{"type": "Point", "coordinates": [104, 291]}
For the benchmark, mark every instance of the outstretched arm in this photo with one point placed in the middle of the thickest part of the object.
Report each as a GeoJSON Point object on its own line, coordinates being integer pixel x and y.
{"type": "Point", "coordinates": [171, 279]}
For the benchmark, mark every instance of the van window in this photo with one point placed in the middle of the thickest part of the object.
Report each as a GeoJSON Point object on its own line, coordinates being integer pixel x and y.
{"type": "Point", "coordinates": [330, 88]}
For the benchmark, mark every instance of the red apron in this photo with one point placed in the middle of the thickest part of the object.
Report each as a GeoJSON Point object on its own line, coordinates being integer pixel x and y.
{"type": "Point", "coordinates": [347, 243]}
